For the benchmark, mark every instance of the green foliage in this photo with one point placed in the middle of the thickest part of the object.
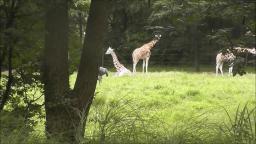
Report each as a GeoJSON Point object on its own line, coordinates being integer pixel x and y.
{"type": "Point", "coordinates": [241, 127]}
{"type": "Point", "coordinates": [78, 14]}
{"type": "Point", "coordinates": [204, 25]}
{"type": "Point", "coordinates": [14, 128]}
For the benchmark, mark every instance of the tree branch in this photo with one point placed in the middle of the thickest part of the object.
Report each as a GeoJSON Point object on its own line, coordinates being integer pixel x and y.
{"type": "Point", "coordinates": [9, 82]}
{"type": "Point", "coordinates": [15, 5]}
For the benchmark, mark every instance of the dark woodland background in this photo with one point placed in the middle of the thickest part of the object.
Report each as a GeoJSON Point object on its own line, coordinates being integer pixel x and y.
{"type": "Point", "coordinates": [192, 31]}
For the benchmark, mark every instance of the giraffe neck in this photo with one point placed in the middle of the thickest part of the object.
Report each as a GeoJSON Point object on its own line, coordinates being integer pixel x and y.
{"type": "Point", "coordinates": [152, 43]}
{"type": "Point", "coordinates": [243, 51]}
{"type": "Point", "coordinates": [116, 62]}
{"type": "Point", "coordinates": [251, 51]}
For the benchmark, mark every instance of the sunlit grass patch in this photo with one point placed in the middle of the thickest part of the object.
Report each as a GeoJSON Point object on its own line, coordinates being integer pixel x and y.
{"type": "Point", "coordinates": [174, 98]}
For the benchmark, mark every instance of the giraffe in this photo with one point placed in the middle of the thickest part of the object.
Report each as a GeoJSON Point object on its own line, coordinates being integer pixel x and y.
{"type": "Point", "coordinates": [143, 53]}
{"type": "Point", "coordinates": [221, 58]}
{"type": "Point", "coordinates": [230, 57]}
{"type": "Point", "coordinates": [121, 70]}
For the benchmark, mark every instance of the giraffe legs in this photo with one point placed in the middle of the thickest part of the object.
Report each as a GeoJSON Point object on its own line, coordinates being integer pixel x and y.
{"type": "Point", "coordinates": [219, 66]}
{"type": "Point", "coordinates": [147, 65]}
{"type": "Point", "coordinates": [230, 70]}
{"type": "Point", "coordinates": [221, 69]}
{"type": "Point", "coordinates": [143, 65]}
{"type": "Point", "coordinates": [134, 67]}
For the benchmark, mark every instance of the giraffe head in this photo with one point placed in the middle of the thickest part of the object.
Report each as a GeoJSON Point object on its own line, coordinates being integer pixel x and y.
{"type": "Point", "coordinates": [109, 51]}
{"type": "Point", "coordinates": [158, 36]}
{"type": "Point", "coordinates": [252, 51]}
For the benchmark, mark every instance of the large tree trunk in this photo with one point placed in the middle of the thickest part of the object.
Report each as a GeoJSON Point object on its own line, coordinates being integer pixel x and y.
{"type": "Point", "coordinates": [91, 55]}
{"type": "Point", "coordinates": [66, 110]}
{"type": "Point", "coordinates": [80, 23]}
{"type": "Point", "coordinates": [55, 69]}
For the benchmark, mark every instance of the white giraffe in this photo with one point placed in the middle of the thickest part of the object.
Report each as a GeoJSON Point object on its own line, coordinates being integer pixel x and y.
{"type": "Point", "coordinates": [230, 57]}
{"type": "Point", "coordinates": [121, 70]}
{"type": "Point", "coordinates": [224, 57]}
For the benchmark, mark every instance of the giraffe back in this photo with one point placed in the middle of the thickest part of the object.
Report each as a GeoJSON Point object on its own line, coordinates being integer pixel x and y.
{"type": "Point", "coordinates": [141, 53]}
{"type": "Point", "coordinates": [221, 57]}
{"type": "Point", "coordinates": [144, 51]}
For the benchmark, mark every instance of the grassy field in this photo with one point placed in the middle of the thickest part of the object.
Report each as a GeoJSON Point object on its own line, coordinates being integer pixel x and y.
{"type": "Point", "coordinates": [169, 106]}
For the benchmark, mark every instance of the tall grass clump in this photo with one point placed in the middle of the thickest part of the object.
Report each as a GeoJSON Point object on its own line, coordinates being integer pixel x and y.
{"type": "Point", "coordinates": [122, 121]}
{"type": "Point", "coordinates": [241, 128]}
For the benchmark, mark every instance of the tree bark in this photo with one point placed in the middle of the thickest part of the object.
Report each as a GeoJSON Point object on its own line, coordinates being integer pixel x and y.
{"type": "Point", "coordinates": [2, 57]}
{"type": "Point", "coordinates": [80, 22]}
{"type": "Point", "coordinates": [67, 110]}
{"type": "Point", "coordinates": [7, 91]}
{"type": "Point", "coordinates": [55, 70]}
{"type": "Point", "coordinates": [9, 41]}
{"type": "Point", "coordinates": [88, 69]}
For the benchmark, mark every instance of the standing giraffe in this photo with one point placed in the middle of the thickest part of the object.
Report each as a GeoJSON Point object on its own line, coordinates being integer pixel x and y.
{"type": "Point", "coordinates": [221, 58]}
{"type": "Point", "coordinates": [230, 57]}
{"type": "Point", "coordinates": [144, 53]}
{"type": "Point", "coordinates": [121, 70]}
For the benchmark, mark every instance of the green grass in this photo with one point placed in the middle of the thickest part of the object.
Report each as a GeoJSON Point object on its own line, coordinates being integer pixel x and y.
{"type": "Point", "coordinates": [176, 99]}
{"type": "Point", "coordinates": [167, 105]}
{"type": "Point", "coordinates": [180, 92]}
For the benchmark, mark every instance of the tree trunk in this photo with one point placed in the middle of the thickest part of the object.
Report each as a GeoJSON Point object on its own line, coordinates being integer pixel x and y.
{"type": "Point", "coordinates": [66, 110]}
{"type": "Point", "coordinates": [2, 57]}
{"type": "Point", "coordinates": [55, 71]}
{"type": "Point", "coordinates": [80, 22]}
{"type": "Point", "coordinates": [7, 91]}
{"type": "Point", "coordinates": [8, 46]}
{"type": "Point", "coordinates": [91, 55]}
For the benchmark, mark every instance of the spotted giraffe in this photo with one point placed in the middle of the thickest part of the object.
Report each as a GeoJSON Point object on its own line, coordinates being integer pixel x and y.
{"type": "Point", "coordinates": [144, 53]}
{"type": "Point", "coordinates": [221, 58]}
{"type": "Point", "coordinates": [121, 70]}
{"type": "Point", "coordinates": [230, 57]}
